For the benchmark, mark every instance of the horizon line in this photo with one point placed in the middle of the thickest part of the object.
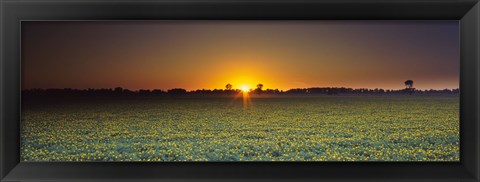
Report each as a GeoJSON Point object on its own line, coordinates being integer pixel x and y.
{"type": "Point", "coordinates": [251, 89]}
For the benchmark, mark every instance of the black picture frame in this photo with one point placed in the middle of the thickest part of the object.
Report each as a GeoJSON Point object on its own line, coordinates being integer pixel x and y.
{"type": "Point", "coordinates": [467, 12]}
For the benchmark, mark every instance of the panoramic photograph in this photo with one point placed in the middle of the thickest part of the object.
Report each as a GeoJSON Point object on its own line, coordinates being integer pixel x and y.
{"type": "Point", "coordinates": [295, 91]}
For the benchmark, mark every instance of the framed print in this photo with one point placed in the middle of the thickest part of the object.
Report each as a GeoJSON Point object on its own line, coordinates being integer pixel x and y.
{"type": "Point", "coordinates": [291, 90]}
{"type": "Point", "coordinates": [170, 91]}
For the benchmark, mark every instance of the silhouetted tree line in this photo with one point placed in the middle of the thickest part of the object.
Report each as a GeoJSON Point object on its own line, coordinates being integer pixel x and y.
{"type": "Point", "coordinates": [120, 92]}
{"type": "Point", "coordinates": [360, 91]}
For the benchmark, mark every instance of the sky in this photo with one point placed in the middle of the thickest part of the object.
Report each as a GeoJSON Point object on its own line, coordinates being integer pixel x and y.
{"type": "Point", "coordinates": [209, 54]}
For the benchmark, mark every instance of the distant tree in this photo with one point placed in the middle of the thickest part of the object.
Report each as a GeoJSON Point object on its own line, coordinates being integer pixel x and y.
{"type": "Point", "coordinates": [228, 86]}
{"type": "Point", "coordinates": [259, 86]}
{"type": "Point", "coordinates": [118, 90]}
{"type": "Point", "coordinates": [409, 84]}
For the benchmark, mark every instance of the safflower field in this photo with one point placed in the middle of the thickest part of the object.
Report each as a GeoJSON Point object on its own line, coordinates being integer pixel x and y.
{"type": "Point", "coordinates": [321, 128]}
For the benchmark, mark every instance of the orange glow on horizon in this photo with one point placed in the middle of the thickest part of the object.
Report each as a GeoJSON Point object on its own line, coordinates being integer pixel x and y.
{"type": "Point", "coordinates": [244, 88]}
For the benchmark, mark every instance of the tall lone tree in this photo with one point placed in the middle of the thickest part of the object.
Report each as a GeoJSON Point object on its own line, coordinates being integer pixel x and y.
{"type": "Point", "coordinates": [409, 84]}
{"type": "Point", "coordinates": [228, 86]}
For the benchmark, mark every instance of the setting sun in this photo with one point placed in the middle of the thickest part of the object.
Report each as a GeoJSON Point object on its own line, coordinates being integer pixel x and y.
{"type": "Point", "coordinates": [245, 88]}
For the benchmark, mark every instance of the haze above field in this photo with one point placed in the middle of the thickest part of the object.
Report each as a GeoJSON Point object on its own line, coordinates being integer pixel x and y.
{"type": "Point", "coordinates": [210, 54]}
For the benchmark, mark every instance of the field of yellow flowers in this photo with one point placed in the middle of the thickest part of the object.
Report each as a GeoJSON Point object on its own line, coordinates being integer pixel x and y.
{"type": "Point", "coordinates": [326, 128]}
